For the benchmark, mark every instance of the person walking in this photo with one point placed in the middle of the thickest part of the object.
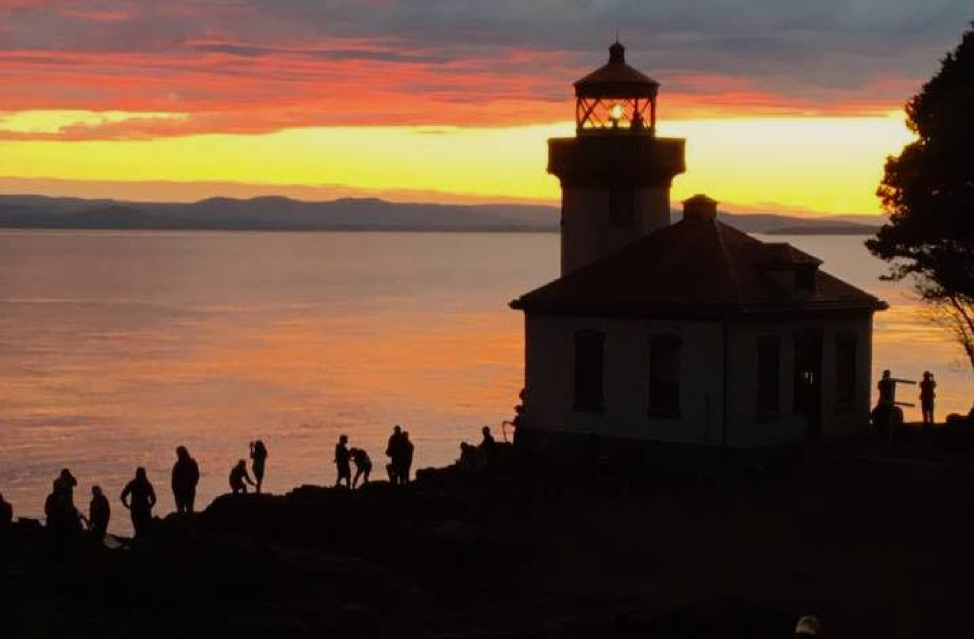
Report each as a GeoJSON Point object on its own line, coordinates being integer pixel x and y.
{"type": "Point", "coordinates": [342, 462]}
{"type": "Point", "coordinates": [927, 394]}
{"type": "Point", "coordinates": [140, 498]}
{"type": "Point", "coordinates": [258, 456]}
{"type": "Point", "coordinates": [185, 477]}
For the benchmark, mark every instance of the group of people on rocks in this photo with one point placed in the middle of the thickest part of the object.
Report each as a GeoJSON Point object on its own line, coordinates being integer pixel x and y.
{"type": "Point", "coordinates": [64, 520]}
{"type": "Point", "coordinates": [139, 496]}
{"type": "Point", "coordinates": [399, 451]}
{"type": "Point", "coordinates": [482, 455]}
{"type": "Point", "coordinates": [344, 457]}
{"type": "Point", "coordinates": [240, 479]}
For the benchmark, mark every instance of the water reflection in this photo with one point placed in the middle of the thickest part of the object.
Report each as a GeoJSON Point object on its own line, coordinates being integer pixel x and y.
{"type": "Point", "coordinates": [117, 347]}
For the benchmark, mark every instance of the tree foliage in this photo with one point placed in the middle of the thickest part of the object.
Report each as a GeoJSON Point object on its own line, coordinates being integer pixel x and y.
{"type": "Point", "coordinates": [928, 191]}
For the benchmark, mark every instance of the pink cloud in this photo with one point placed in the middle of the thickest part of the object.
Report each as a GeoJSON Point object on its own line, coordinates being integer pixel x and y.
{"type": "Point", "coordinates": [251, 66]}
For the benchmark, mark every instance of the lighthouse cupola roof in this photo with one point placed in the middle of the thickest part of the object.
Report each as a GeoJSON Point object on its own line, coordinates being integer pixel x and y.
{"type": "Point", "coordinates": [616, 79]}
{"type": "Point", "coordinates": [616, 96]}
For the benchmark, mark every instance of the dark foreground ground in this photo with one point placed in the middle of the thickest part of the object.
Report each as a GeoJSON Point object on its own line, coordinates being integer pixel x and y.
{"type": "Point", "coordinates": [874, 543]}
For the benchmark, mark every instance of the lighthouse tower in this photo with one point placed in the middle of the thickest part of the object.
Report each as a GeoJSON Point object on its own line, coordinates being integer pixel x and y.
{"type": "Point", "coordinates": [615, 173]}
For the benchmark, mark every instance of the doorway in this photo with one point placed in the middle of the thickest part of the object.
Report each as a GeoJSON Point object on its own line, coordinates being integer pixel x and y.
{"type": "Point", "coordinates": [808, 380]}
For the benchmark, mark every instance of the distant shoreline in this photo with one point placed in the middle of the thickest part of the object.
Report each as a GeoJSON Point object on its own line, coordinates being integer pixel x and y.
{"type": "Point", "coordinates": [284, 229]}
{"type": "Point", "coordinates": [811, 232]}
{"type": "Point", "coordinates": [349, 215]}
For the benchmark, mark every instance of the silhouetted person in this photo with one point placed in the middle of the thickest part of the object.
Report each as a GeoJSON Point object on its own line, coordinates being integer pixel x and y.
{"type": "Point", "coordinates": [185, 477]}
{"type": "Point", "coordinates": [363, 466]}
{"type": "Point", "coordinates": [62, 517]}
{"type": "Point", "coordinates": [343, 462]}
{"type": "Point", "coordinates": [99, 514]}
{"type": "Point", "coordinates": [64, 485]}
{"type": "Point", "coordinates": [406, 463]}
{"type": "Point", "coordinates": [887, 389]}
{"type": "Point", "coordinates": [883, 414]}
{"type": "Point", "coordinates": [6, 513]}
{"type": "Point", "coordinates": [258, 456]}
{"type": "Point", "coordinates": [239, 478]}
{"type": "Point", "coordinates": [927, 394]}
{"type": "Point", "coordinates": [140, 497]}
{"type": "Point", "coordinates": [54, 508]}
{"type": "Point", "coordinates": [488, 447]}
{"type": "Point", "coordinates": [394, 451]}
{"type": "Point", "coordinates": [488, 441]}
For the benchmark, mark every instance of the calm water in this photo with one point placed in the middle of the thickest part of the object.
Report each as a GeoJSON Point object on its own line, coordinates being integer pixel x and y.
{"type": "Point", "coordinates": [117, 346]}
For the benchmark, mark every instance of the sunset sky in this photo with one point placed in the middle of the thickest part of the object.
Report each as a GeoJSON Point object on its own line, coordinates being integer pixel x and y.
{"type": "Point", "coordinates": [786, 105]}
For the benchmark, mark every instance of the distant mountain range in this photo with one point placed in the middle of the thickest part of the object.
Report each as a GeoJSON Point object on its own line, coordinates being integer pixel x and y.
{"type": "Point", "coordinates": [351, 214]}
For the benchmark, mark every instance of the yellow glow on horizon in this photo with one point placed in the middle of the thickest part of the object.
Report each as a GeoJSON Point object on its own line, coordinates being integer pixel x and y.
{"type": "Point", "coordinates": [816, 164]}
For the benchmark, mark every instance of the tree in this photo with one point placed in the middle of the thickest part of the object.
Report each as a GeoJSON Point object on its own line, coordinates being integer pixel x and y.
{"type": "Point", "coordinates": [928, 191]}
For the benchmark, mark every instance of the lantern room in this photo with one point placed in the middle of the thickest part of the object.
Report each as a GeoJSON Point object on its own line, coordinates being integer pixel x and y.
{"type": "Point", "coordinates": [616, 96]}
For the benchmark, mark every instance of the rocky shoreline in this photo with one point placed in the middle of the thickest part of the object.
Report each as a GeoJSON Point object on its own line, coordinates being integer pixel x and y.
{"type": "Point", "coordinates": [875, 543]}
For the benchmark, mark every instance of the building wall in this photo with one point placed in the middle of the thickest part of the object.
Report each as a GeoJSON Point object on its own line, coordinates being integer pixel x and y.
{"type": "Point", "coordinates": [550, 370]}
{"type": "Point", "coordinates": [747, 430]}
{"type": "Point", "coordinates": [550, 366]}
{"type": "Point", "coordinates": [587, 233]}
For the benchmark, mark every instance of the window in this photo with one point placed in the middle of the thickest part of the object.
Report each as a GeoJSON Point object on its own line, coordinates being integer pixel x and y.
{"type": "Point", "coordinates": [621, 207]}
{"type": "Point", "coordinates": [768, 396]}
{"type": "Point", "coordinates": [664, 375]}
{"type": "Point", "coordinates": [805, 279]}
{"type": "Point", "coordinates": [845, 373]}
{"type": "Point", "coordinates": [589, 347]}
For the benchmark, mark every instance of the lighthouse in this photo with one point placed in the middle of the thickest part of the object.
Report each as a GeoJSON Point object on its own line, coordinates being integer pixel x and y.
{"type": "Point", "coordinates": [616, 172]}
{"type": "Point", "coordinates": [663, 341]}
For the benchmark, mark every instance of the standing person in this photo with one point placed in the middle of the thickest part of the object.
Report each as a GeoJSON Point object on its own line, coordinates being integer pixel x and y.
{"type": "Point", "coordinates": [886, 405]}
{"type": "Point", "coordinates": [342, 462]}
{"type": "Point", "coordinates": [394, 453]}
{"type": "Point", "coordinates": [406, 463]}
{"type": "Point", "coordinates": [363, 466]}
{"type": "Point", "coordinates": [927, 395]}
{"type": "Point", "coordinates": [488, 447]}
{"type": "Point", "coordinates": [62, 516]}
{"type": "Point", "coordinates": [239, 478]}
{"type": "Point", "coordinates": [258, 455]}
{"type": "Point", "coordinates": [887, 389]}
{"type": "Point", "coordinates": [6, 512]}
{"type": "Point", "coordinates": [185, 477]}
{"type": "Point", "coordinates": [54, 509]}
{"type": "Point", "coordinates": [64, 486]}
{"type": "Point", "coordinates": [140, 497]}
{"type": "Point", "coordinates": [99, 514]}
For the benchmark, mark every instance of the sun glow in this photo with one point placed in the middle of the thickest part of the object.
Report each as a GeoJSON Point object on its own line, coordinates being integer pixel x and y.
{"type": "Point", "coordinates": [813, 164]}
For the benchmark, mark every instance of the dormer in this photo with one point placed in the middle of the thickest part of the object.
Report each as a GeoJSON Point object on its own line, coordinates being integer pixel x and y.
{"type": "Point", "coordinates": [788, 267]}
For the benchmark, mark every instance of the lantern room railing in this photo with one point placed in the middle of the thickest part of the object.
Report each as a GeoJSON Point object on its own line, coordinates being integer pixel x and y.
{"type": "Point", "coordinates": [599, 114]}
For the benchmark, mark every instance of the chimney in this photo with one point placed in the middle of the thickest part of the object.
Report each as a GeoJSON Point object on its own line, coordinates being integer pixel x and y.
{"type": "Point", "coordinates": [699, 208]}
